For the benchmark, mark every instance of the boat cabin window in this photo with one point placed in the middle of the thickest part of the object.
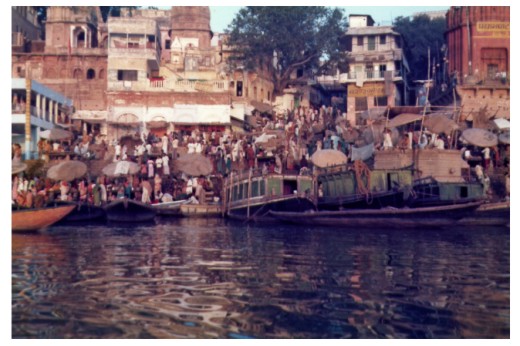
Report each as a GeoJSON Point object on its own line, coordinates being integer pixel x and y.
{"type": "Point", "coordinates": [235, 192]}
{"type": "Point", "coordinates": [464, 192]}
{"type": "Point", "coordinates": [257, 188]}
{"type": "Point", "coordinates": [289, 186]}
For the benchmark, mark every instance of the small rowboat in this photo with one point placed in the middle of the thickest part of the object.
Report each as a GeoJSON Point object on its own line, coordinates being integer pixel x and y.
{"type": "Point", "coordinates": [35, 219]}
{"type": "Point", "coordinates": [169, 208]}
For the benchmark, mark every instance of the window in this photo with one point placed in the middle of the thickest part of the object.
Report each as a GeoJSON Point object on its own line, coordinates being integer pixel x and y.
{"type": "Point", "coordinates": [361, 104]}
{"type": "Point", "coordinates": [371, 42]}
{"type": "Point", "coordinates": [360, 41]}
{"type": "Point", "coordinates": [370, 71]}
{"type": "Point", "coordinates": [167, 44]}
{"type": "Point", "coordinates": [91, 74]}
{"type": "Point", "coordinates": [381, 101]}
{"type": "Point", "coordinates": [239, 88]}
{"type": "Point", "coordinates": [382, 39]}
{"type": "Point", "coordinates": [128, 75]}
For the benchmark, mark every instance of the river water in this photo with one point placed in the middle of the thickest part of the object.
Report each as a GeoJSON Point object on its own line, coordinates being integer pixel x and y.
{"type": "Point", "coordinates": [211, 278]}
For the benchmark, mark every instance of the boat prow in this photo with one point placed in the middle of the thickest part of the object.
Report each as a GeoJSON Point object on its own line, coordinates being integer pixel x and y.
{"type": "Point", "coordinates": [35, 219]}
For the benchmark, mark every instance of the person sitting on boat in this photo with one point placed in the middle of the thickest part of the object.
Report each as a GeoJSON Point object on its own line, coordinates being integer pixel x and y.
{"type": "Point", "coordinates": [439, 143]}
{"type": "Point", "coordinates": [387, 140]}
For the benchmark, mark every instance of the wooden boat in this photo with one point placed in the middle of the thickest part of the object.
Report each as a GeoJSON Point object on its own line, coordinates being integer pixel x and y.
{"type": "Point", "coordinates": [126, 210]}
{"type": "Point", "coordinates": [35, 219]}
{"type": "Point", "coordinates": [488, 214]}
{"type": "Point", "coordinates": [169, 208]}
{"type": "Point", "coordinates": [387, 217]}
{"type": "Point", "coordinates": [201, 210]}
{"type": "Point", "coordinates": [429, 192]}
{"type": "Point", "coordinates": [250, 197]}
{"type": "Point", "coordinates": [83, 212]}
{"type": "Point", "coordinates": [341, 187]}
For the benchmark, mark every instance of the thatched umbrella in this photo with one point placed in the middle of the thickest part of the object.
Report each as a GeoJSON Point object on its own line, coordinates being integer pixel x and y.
{"type": "Point", "coordinates": [67, 170]}
{"type": "Point", "coordinates": [194, 164]}
{"type": "Point", "coordinates": [504, 138]}
{"type": "Point", "coordinates": [56, 134]}
{"type": "Point", "coordinates": [403, 119]}
{"type": "Point", "coordinates": [119, 168]}
{"type": "Point", "coordinates": [480, 137]}
{"type": "Point", "coordinates": [262, 107]}
{"type": "Point", "coordinates": [440, 124]}
{"type": "Point", "coordinates": [17, 167]}
{"type": "Point", "coordinates": [328, 157]}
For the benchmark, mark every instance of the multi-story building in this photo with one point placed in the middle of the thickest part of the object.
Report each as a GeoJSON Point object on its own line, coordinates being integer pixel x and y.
{"type": "Point", "coordinates": [377, 67]}
{"type": "Point", "coordinates": [35, 107]}
{"type": "Point", "coordinates": [479, 60]}
{"type": "Point", "coordinates": [148, 70]}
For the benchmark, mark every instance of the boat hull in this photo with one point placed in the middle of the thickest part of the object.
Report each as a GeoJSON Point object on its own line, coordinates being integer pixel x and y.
{"type": "Point", "coordinates": [201, 210]}
{"type": "Point", "coordinates": [169, 208]}
{"type": "Point", "coordinates": [129, 211]}
{"type": "Point", "coordinates": [386, 218]}
{"type": "Point", "coordinates": [372, 201]}
{"type": "Point", "coordinates": [489, 214]}
{"type": "Point", "coordinates": [35, 219]}
{"type": "Point", "coordinates": [259, 209]}
{"type": "Point", "coordinates": [83, 212]}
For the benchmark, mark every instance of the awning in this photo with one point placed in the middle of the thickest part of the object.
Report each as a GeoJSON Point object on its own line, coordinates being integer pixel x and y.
{"type": "Point", "coordinates": [403, 119]}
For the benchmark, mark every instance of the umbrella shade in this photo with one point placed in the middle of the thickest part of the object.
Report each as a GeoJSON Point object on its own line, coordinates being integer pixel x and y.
{"type": "Point", "coordinates": [194, 164]}
{"type": "Point", "coordinates": [56, 134]}
{"type": "Point", "coordinates": [403, 119]}
{"type": "Point", "coordinates": [504, 138]}
{"type": "Point", "coordinates": [67, 170]}
{"type": "Point", "coordinates": [118, 168]}
{"type": "Point", "coordinates": [480, 137]}
{"type": "Point", "coordinates": [262, 107]}
{"type": "Point", "coordinates": [328, 157]}
{"type": "Point", "coordinates": [18, 167]}
{"type": "Point", "coordinates": [440, 124]}
{"type": "Point", "coordinates": [501, 124]}
{"type": "Point", "coordinates": [373, 113]}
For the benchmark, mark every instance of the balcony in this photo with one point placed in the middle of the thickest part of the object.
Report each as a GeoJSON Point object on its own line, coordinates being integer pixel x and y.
{"type": "Point", "coordinates": [170, 85]}
{"type": "Point", "coordinates": [368, 76]}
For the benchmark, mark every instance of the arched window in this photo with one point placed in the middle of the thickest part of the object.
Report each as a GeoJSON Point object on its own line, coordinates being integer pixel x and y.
{"type": "Point", "coordinates": [101, 74]}
{"type": "Point", "coordinates": [91, 74]}
{"type": "Point", "coordinates": [77, 74]}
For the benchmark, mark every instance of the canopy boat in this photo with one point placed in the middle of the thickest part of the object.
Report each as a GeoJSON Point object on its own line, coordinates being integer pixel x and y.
{"type": "Point", "coordinates": [430, 192]}
{"type": "Point", "coordinates": [343, 187]}
{"type": "Point", "coordinates": [201, 210]}
{"type": "Point", "coordinates": [250, 197]}
{"type": "Point", "coordinates": [127, 210]}
{"type": "Point", "coordinates": [35, 219]}
{"type": "Point", "coordinates": [172, 208]}
{"type": "Point", "coordinates": [440, 216]}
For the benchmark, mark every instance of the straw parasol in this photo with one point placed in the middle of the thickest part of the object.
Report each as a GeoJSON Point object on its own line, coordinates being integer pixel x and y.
{"type": "Point", "coordinates": [119, 168]}
{"type": "Point", "coordinates": [18, 167]}
{"type": "Point", "coordinates": [67, 170]}
{"type": "Point", "coordinates": [328, 157]}
{"type": "Point", "coordinates": [403, 119]}
{"type": "Point", "coordinates": [373, 113]}
{"type": "Point", "coordinates": [56, 134]}
{"type": "Point", "coordinates": [194, 164]}
{"type": "Point", "coordinates": [262, 107]}
{"type": "Point", "coordinates": [501, 124]}
{"type": "Point", "coordinates": [504, 138]}
{"type": "Point", "coordinates": [480, 137]}
{"type": "Point", "coordinates": [440, 124]}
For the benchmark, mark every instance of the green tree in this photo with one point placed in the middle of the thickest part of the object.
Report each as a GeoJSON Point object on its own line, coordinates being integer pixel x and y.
{"type": "Point", "coordinates": [419, 34]}
{"type": "Point", "coordinates": [287, 38]}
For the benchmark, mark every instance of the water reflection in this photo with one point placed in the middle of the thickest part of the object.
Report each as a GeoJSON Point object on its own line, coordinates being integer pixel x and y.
{"type": "Point", "coordinates": [187, 278]}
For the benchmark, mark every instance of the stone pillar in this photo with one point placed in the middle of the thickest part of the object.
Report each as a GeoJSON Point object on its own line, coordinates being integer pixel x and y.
{"type": "Point", "coordinates": [38, 107]}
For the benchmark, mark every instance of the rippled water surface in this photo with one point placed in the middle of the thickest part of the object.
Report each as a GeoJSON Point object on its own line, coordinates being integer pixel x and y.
{"type": "Point", "coordinates": [186, 278]}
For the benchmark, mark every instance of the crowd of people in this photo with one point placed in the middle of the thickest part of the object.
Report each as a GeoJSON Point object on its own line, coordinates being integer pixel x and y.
{"type": "Point", "coordinates": [291, 140]}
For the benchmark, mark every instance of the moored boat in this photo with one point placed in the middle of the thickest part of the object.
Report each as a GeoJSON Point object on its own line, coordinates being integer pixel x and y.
{"type": "Point", "coordinates": [172, 208]}
{"type": "Point", "coordinates": [201, 210]}
{"type": "Point", "coordinates": [126, 210]}
{"type": "Point", "coordinates": [250, 197]}
{"type": "Point", "coordinates": [488, 214]}
{"type": "Point", "coordinates": [440, 216]}
{"type": "Point", "coordinates": [35, 219]}
{"type": "Point", "coordinates": [83, 212]}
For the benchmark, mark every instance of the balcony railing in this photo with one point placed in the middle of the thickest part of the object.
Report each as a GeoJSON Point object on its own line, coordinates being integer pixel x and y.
{"type": "Point", "coordinates": [367, 75]}
{"type": "Point", "coordinates": [171, 85]}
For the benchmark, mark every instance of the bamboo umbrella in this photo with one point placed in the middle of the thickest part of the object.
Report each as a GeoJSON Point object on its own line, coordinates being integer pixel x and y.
{"type": "Point", "coordinates": [67, 170]}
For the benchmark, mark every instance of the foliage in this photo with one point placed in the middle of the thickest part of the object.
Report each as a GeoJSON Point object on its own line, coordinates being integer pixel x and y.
{"type": "Point", "coordinates": [419, 34]}
{"type": "Point", "coordinates": [288, 38]}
